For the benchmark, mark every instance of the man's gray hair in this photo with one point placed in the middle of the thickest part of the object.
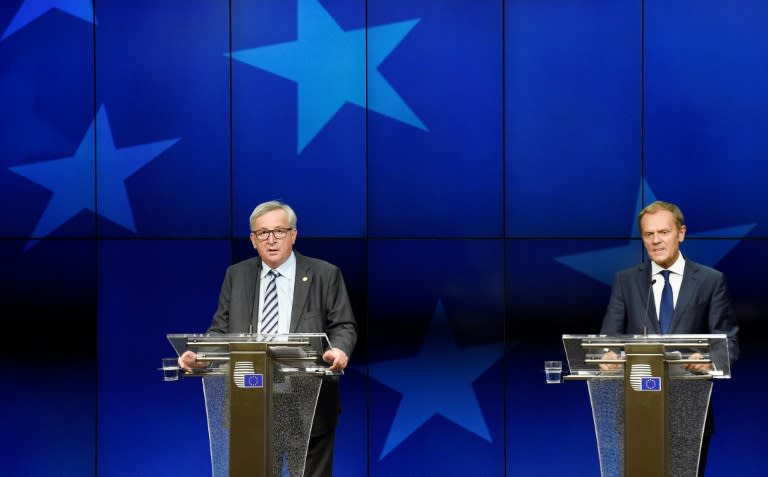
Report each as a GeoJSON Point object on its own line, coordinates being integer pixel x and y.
{"type": "Point", "coordinates": [271, 205]}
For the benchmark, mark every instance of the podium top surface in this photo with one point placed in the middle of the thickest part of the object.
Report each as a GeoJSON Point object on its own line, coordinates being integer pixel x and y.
{"type": "Point", "coordinates": [668, 338]}
{"type": "Point", "coordinates": [182, 341]}
{"type": "Point", "coordinates": [301, 351]}
{"type": "Point", "coordinates": [585, 353]}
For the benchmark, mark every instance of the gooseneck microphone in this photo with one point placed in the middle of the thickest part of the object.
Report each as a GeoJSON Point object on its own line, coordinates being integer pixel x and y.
{"type": "Point", "coordinates": [647, 302]}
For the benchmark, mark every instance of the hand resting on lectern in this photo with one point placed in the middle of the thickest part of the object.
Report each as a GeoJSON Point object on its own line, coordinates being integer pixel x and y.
{"type": "Point", "coordinates": [610, 366]}
{"type": "Point", "coordinates": [188, 361]}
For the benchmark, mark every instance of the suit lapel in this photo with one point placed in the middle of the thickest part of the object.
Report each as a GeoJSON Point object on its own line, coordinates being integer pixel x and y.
{"type": "Point", "coordinates": [687, 291]}
{"type": "Point", "coordinates": [650, 318]}
{"type": "Point", "coordinates": [254, 277]}
{"type": "Point", "coordinates": [301, 286]}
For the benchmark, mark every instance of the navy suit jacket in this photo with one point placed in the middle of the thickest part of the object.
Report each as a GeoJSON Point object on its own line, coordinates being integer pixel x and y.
{"type": "Point", "coordinates": [320, 305]}
{"type": "Point", "coordinates": [703, 305]}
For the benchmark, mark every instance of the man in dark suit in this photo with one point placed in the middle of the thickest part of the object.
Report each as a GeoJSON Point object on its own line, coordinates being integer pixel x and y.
{"type": "Point", "coordinates": [311, 298]}
{"type": "Point", "coordinates": [700, 295]}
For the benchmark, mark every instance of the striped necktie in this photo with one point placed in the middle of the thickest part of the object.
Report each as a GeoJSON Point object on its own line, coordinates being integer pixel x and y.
{"type": "Point", "coordinates": [269, 314]}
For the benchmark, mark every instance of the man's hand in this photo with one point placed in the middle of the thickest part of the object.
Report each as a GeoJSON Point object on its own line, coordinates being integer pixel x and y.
{"type": "Point", "coordinates": [336, 358]}
{"type": "Point", "coordinates": [188, 360]}
{"type": "Point", "coordinates": [697, 367]}
{"type": "Point", "coordinates": [610, 366]}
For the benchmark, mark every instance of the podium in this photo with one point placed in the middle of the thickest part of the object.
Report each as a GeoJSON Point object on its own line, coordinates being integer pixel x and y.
{"type": "Point", "coordinates": [650, 412]}
{"type": "Point", "coordinates": [260, 396]}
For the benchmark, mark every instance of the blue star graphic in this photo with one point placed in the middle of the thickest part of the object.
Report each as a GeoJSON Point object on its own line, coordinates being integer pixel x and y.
{"type": "Point", "coordinates": [603, 264]}
{"type": "Point", "coordinates": [71, 179]}
{"type": "Point", "coordinates": [329, 66]}
{"type": "Point", "coordinates": [31, 10]}
{"type": "Point", "coordinates": [430, 387]}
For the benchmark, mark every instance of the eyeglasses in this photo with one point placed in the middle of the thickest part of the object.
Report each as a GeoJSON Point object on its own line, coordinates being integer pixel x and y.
{"type": "Point", "coordinates": [277, 233]}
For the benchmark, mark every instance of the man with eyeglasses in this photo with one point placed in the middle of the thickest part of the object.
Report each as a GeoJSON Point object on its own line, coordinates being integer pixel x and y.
{"type": "Point", "coordinates": [311, 298]}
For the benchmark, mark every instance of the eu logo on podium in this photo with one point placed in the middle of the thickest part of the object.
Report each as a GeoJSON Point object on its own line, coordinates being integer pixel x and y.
{"type": "Point", "coordinates": [652, 383]}
{"type": "Point", "coordinates": [253, 381]}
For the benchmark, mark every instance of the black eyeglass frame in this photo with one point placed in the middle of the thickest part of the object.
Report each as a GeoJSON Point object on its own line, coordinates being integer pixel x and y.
{"type": "Point", "coordinates": [278, 233]}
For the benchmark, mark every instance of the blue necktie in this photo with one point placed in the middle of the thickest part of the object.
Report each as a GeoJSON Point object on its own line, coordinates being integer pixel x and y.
{"type": "Point", "coordinates": [269, 314]}
{"type": "Point", "coordinates": [667, 307]}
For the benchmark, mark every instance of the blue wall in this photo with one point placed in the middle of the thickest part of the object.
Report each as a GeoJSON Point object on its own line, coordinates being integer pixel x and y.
{"type": "Point", "coordinates": [474, 168]}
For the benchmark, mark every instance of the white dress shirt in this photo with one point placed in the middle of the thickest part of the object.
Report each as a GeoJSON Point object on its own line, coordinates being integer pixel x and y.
{"type": "Point", "coordinates": [675, 280]}
{"type": "Point", "coordinates": [284, 286]}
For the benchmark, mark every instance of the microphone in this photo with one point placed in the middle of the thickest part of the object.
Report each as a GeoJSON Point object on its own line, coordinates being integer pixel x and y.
{"type": "Point", "coordinates": [647, 302]}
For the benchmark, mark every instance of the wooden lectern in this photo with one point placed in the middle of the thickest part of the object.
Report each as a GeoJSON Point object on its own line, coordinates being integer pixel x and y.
{"type": "Point", "coordinates": [650, 412]}
{"type": "Point", "coordinates": [260, 396]}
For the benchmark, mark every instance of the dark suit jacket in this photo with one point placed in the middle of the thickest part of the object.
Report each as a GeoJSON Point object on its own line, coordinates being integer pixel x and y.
{"type": "Point", "coordinates": [703, 305]}
{"type": "Point", "coordinates": [320, 305]}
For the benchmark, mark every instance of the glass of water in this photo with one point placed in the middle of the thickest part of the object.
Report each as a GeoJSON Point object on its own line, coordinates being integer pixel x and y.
{"type": "Point", "coordinates": [170, 369]}
{"type": "Point", "coordinates": [553, 370]}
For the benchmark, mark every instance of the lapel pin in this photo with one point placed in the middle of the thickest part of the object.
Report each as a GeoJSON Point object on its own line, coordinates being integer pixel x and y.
{"type": "Point", "coordinates": [304, 279]}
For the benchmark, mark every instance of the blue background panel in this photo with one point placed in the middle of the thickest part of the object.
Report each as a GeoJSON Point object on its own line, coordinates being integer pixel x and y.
{"type": "Point", "coordinates": [48, 297]}
{"type": "Point", "coordinates": [549, 428]}
{"type": "Point", "coordinates": [573, 99]}
{"type": "Point", "coordinates": [436, 353]}
{"type": "Point", "coordinates": [297, 133]}
{"type": "Point", "coordinates": [447, 70]}
{"type": "Point", "coordinates": [705, 105]}
{"type": "Point", "coordinates": [148, 289]}
{"type": "Point", "coordinates": [738, 421]}
{"type": "Point", "coordinates": [163, 80]}
{"type": "Point", "coordinates": [43, 120]}
{"type": "Point", "coordinates": [41, 439]}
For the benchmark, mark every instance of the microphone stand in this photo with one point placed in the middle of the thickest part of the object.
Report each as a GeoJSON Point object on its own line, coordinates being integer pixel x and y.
{"type": "Point", "coordinates": [647, 302]}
